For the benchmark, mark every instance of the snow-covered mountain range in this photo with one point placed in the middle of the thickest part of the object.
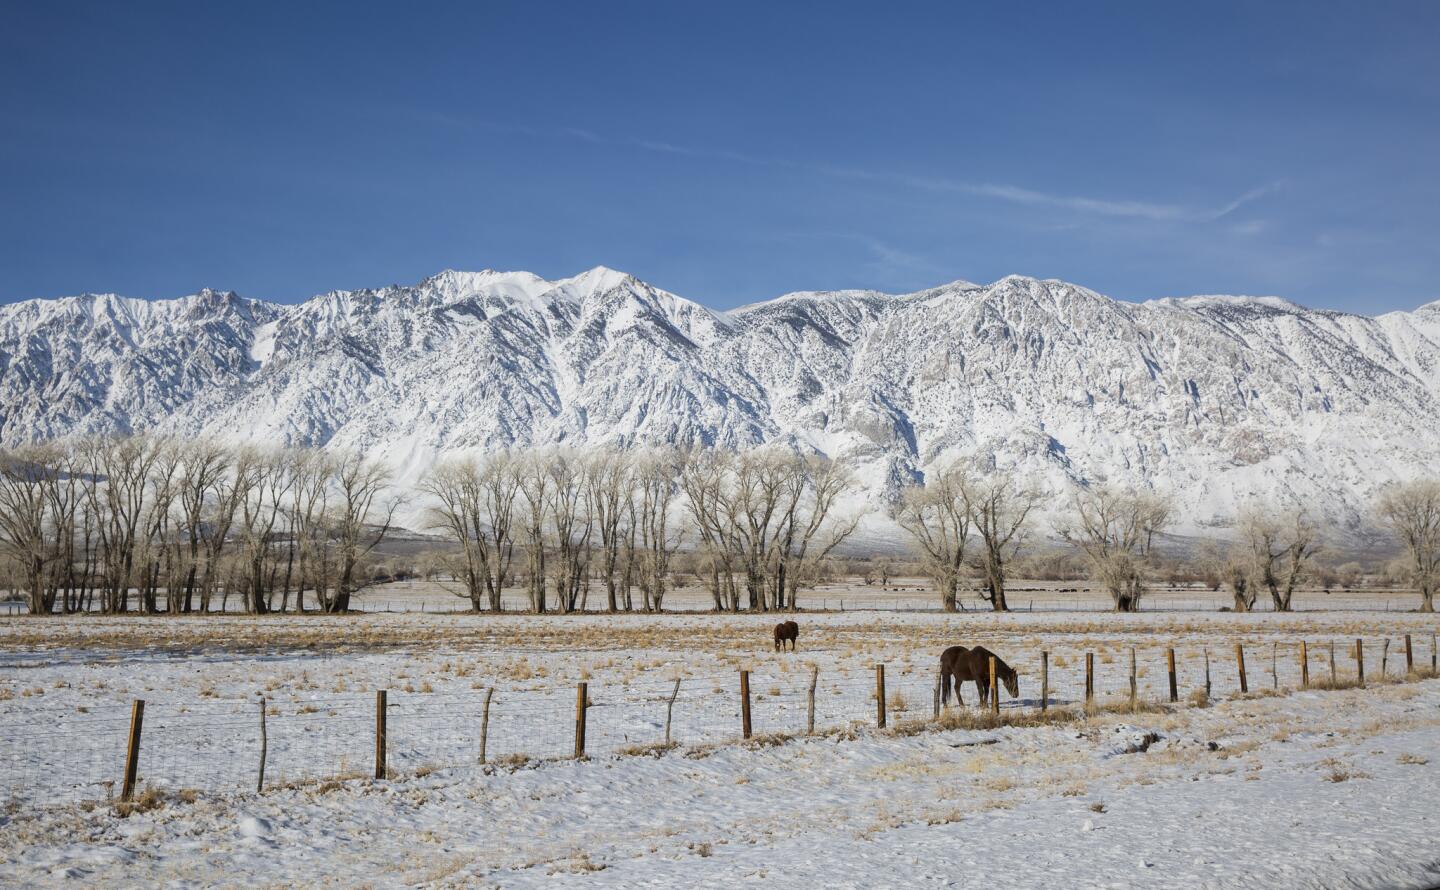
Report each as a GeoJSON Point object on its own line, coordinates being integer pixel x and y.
{"type": "Point", "coordinates": [1214, 398]}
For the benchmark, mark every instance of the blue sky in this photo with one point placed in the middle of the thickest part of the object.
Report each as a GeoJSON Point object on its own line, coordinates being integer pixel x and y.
{"type": "Point", "coordinates": [727, 152]}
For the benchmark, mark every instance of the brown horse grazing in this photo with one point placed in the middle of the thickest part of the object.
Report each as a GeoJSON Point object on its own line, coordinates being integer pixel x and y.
{"type": "Point", "coordinates": [786, 630]}
{"type": "Point", "coordinates": [961, 665]}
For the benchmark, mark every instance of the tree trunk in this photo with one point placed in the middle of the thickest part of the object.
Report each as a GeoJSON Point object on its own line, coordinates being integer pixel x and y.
{"type": "Point", "coordinates": [998, 603]}
{"type": "Point", "coordinates": [948, 595]}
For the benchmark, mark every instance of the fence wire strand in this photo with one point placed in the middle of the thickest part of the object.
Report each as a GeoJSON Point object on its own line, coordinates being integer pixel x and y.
{"type": "Point", "coordinates": [78, 753]}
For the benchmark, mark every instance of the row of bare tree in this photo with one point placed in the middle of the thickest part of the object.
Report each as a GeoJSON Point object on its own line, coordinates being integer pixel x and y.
{"type": "Point", "coordinates": [760, 522]}
{"type": "Point", "coordinates": [968, 522]}
{"type": "Point", "coordinates": [163, 525]}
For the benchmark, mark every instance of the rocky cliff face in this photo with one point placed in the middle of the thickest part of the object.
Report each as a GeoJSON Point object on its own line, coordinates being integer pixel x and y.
{"type": "Point", "coordinates": [1215, 398]}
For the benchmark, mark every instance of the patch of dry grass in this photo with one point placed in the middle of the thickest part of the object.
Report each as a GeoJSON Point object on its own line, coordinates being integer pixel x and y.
{"type": "Point", "coordinates": [655, 749]}
{"type": "Point", "coordinates": [150, 798]}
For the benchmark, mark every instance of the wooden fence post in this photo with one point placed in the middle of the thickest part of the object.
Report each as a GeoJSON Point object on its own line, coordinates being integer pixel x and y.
{"type": "Point", "coordinates": [1334, 678]}
{"type": "Point", "coordinates": [1409, 657]}
{"type": "Point", "coordinates": [1207, 673]}
{"type": "Point", "coordinates": [994, 689]}
{"type": "Point", "coordinates": [670, 708]}
{"type": "Point", "coordinates": [1304, 665]}
{"type": "Point", "coordinates": [880, 696]}
{"type": "Point", "coordinates": [745, 704]}
{"type": "Point", "coordinates": [260, 780]}
{"type": "Point", "coordinates": [380, 733]}
{"type": "Point", "coordinates": [582, 705]}
{"type": "Point", "coordinates": [810, 700]}
{"type": "Point", "coordinates": [1274, 665]}
{"type": "Point", "coordinates": [485, 723]}
{"type": "Point", "coordinates": [132, 750]}
{"type": "Point", "coordinates": [1240, 666]}
{"type": "Point", "coordinates": [1089, 677]}
{"type": "Point", "coordinates": [1170, 668]}
{"type": "Point", "coordinates": [1385, 659]}
{"type": "Point", "coordinates": [1044, 680]}
{"type": "Point", "coordinates": [1360, 661]}
{"type": "Point", "coordinates": [1134, 683]}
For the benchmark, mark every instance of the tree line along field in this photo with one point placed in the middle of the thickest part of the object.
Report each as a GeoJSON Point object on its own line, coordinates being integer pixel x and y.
{"type": "Point", "coordinates": [158, 525]}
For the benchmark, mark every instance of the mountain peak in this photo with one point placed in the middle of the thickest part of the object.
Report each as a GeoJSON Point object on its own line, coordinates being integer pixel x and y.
{"type": "Point", "coordinates": [456, 286]}
{"type": "Point", "coordinates": [594, 281]}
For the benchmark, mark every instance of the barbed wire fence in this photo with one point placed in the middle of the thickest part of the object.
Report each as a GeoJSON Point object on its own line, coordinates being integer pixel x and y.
{"type": "Point", "coordinates": [58, 755]}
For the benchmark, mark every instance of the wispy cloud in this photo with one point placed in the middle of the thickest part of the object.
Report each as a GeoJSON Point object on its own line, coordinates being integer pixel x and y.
{"type": "Point", "coordinates": [1013, 194]}
{"type": "Point", "coordinates": [1104, 207]}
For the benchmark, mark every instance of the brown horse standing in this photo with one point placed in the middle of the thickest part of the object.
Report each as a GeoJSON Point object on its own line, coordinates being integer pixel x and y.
{"type": "Point", "coordinates": [786, 630]}
{"type": "Point", "coordinates": [973, 665]}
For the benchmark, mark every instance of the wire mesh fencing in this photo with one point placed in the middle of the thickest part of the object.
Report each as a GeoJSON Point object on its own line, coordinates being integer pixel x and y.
{"type": "Point", "coordinates": [85, 753]}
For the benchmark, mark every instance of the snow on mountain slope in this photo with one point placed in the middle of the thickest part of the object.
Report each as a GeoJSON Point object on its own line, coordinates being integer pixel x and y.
{"type": "Point", "coordinates": [1216, 398]}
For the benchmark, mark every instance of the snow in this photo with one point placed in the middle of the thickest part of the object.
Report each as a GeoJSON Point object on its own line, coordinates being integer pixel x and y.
{"type": "Point", "coordinates": [263, 345]}
{"type": "Point", "coordinates": [1243, 793]}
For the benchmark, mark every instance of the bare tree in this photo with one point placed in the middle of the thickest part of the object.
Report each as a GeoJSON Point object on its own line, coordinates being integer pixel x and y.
{"type": "Point", "coordinates": [26, 476]}
{"type": "Point", "coordinates": [756, 497]}
{"type": "Point", "coordinates": [535, 486]}
{"type": "Point", "coordinates": [999, 508]}
{"type": "Point", "coordinates": [1231, 567]}
{"type": "Point", "coordinates": [705, 480]}
{"type": "Point", "coordinates": [570, 524]}
{"type": "Point", "coordinates": [123, 469]}
{"type": "Point", "coordinates": [1278, 545]}
{"type": "Point", "coordinates": [476, 503]}
{"type": "Point", "coordinates": [72, 530]}
{"type": "Point", "coordinates": [267, 480]}
{"type": "Point", "coordinates": [808, 532]}
{"type": "Point", "coordinates": [1412, 510]}
{"type": "Point", "coordinates": [361, 514]}
{"type": "Point", "coordinates": [309, 511]}
{"type": "Point", "coordinates": [938, 519]}
{"type": "Point", "coordinates": [204, 466]}
{"type": "Point", "coordinates": [153, 552]}
{"type": "Point", "coordinates": [609, 484]}
{"type": "Point", "coordinates": [1114, 528]}
{"type": "Point", "coordinates": [656, 475]}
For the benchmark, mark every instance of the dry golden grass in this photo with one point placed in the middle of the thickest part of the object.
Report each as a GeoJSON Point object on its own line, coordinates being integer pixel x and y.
{"type": "Point", "coordinates": [1337, 771]}
{"type": "Point", "coordinates": [654, 749]}
{"type": "Point", "coordinates": [149, 798]}
{"type": "Point", "coordinates": [852, 633]}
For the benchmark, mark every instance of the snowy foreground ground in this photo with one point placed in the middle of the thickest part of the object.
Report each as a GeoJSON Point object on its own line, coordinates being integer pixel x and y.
{"type": "Point", "coordinates": [1299, 789]}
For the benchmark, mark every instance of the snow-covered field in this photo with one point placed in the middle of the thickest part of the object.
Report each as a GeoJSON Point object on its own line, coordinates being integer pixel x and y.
{"type": "Point", "coordinates": [854, 806]}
